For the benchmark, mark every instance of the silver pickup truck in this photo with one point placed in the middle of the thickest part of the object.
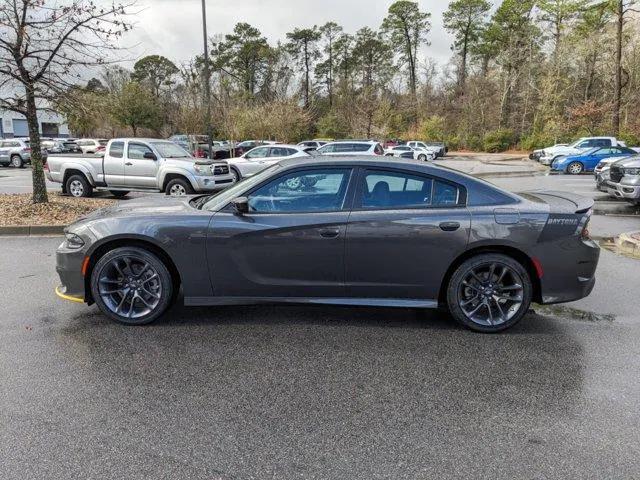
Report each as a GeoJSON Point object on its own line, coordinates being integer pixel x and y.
{"type": "Point", "coordinates": [136, 164]}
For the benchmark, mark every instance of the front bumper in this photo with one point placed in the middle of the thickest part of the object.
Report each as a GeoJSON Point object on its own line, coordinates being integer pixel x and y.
{"type": "Point", "coordinates": [626, 192]}
{"type": "Point", "coordinates": [69, 269]}
{"type": "Point", "coordinates": [546, 160]}
{"type": "Point", "coordinates": [213, 183]}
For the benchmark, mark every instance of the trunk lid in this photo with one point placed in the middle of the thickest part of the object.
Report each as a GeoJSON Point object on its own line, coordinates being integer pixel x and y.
{"type": "Point", "coordinates": [561, 202]}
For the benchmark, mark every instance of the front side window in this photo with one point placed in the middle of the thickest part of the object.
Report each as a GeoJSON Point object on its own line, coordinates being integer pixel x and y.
{"type": "Point", "coordinates": [136, 151]}
{"type": "Point", "coordinates": [317, 190]}
{"type": "Point", "coordinates": [281, 152]}
{"type": "Point", "coordinates": [383, 190]}
{"type": "Point", "coordinates": [116, 150]}
{"type": "Point", "coordinates": [327, 149]}
{"type": "Point", "coordinates": [360, 147]}
{"type": "Point", "coordinates": [260, 152]}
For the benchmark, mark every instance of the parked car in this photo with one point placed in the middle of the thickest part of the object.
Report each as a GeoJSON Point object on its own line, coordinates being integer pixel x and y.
{"type": "Point", "coordinates": [53, 146]}
{"type": "Point", "coordinates": [587, 161]}
{"type": "Point", "coordinates": [536, 154]}
{"type": "Point", "coordinates": [138, 164]}
{"type": "Point", "coordinates": [91, 145]}
{"type": "Point", "coordinates": [581, 145]}
{"type": "Point", "coordinates": [259, 158]}
{"type": "Point", "coordinates": [243, 147]}
{"type": "Point", "coordinates": [70, 146]}
{"type": "Point", "coordinates": [350, 147]}
{"type": "Point", "coordinates": [624, 180]}
{"type": "Point", "coordinates": [406, 151]}
{"type": "Point", "coordinates": [311, 145]}
{"type": "Point", "coordinates": [366, 233]}
{"type": "Point", "coordinates": [441, 148]}
{"type": "Point", "coordinates": [601, 172]}
{"type": "Point", "coordinates": [425, 146]}
{"type": "Point", "coordinates": [15, 152]}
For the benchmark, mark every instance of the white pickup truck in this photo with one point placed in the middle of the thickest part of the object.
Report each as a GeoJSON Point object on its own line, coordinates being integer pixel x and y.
{"type": "Point", "coordinates": [549, 154]}
{"type": "Point", "coordinates": [137, 164]}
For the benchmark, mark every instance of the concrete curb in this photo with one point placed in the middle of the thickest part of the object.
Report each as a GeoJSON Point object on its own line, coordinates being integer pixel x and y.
{"type": "Point", "coordinates": [32, 230]}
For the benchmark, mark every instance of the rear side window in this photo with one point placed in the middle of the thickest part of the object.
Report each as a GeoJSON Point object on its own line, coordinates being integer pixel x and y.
{"type": "Point", "coordinates": [359, 147]}
{"type": "Point", "coordinates": [116, 150]}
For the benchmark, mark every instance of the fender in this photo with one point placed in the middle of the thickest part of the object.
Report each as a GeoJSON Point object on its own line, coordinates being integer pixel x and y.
{"type": "Point", "coordinates": [77, 166]}
{"type": "Point", "coordinates": [164, 171]}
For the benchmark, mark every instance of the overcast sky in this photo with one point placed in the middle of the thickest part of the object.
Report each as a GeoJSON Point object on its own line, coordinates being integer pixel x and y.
{"type": "Point", "coordinates": [173, 27]}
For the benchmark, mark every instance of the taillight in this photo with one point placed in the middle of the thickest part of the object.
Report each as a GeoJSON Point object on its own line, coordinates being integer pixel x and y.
{"type": "Point", "coordinates": [199, 153]}
{"type": "Point", "coordinates": [583, 226]}
{"type": "Point", "coordinates": [26, 149]}
{"type": "Point", "coordinates": [45, 166]}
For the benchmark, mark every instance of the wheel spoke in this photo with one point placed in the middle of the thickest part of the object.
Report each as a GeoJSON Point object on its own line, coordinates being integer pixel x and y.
{"type": "Point", "coordinates": [502, 274]}
{"type": "Point", "coordinates": [510, 288]}
{"type": "Point", "coordinates": [492, 270]}
{"type": "Point", "coordinates": [122, 300]}
{"type": "Point", "coordinates": [502, 315]}
{"type": "Point", "coordinates": [147, 280]}
{"type": "Point", "coordinates": [471, 300]}
{"type": "Point", "coordinates": [151, 294]}
{"type": "Point", "coordinates": [478, 279]}
{"type": "Point", "coordinates": [467, 284]}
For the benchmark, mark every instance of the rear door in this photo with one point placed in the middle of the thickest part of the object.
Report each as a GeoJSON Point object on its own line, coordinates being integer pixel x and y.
{"type": "Point", "coordinates": [140, 171]}
{"type": "Point", "coordinates": [290, 244]}
{"type": "Point", "coordinates": [113, 164]}
{"type": "Point", "coordinates": [403, 233]}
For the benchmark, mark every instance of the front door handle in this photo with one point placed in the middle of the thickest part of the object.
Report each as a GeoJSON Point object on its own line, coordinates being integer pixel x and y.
{"type": "Point", "coordinates": [128, 164]}
{"type": "Point", "coordinates": [449, 226]}
{"type": "Point", "coordinates": [329, 232]}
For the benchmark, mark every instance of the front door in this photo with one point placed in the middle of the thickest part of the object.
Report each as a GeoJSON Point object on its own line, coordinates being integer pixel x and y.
{"type": "Point", "coordinates": [290, 244]}
{"type": "Point", "coordinates": [140, 171]}
{"type": "Point", "coordinates": [403, 234]}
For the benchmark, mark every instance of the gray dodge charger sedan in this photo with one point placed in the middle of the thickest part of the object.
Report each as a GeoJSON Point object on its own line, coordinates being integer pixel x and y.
{"type": "Point", "coordinates": [339, 231]}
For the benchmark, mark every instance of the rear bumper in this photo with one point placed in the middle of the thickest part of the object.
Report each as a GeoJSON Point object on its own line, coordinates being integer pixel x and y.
{"type": "Point", "coordinates": [569, 268]}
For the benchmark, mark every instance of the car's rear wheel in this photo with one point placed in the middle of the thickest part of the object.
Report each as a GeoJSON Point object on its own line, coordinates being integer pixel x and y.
{"type": "Point", "coordinates": [178, 188]}
{"type": "Point", "coordinates": [235, 174]}
{"type": "Point", "coordinates": [422, 157]}
{"type": "Point", "coordinates": [489, 292]}
{"type": "Point", "coordinates": [78, 186]}
{"type": "Point", "coordinates": [131, 285]}
{"type": "Point", "coordinates": [575, 168]}
{"type": "Point", "coordinates": [16, 161]}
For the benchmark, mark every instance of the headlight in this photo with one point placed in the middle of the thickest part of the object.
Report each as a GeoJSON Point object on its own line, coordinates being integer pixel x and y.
{"type": "Point", "coordinates": [73, 241]}
{"type": "Point", "coordinates": [203, 169]}
{"type": "Point", "coordinates": [631, 171]}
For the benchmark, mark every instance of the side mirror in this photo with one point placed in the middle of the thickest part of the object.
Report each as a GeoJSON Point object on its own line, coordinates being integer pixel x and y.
{"type": "Point", "coordinates": [241, 204]}
{"type": "Point", "coordinates": [150, 156]}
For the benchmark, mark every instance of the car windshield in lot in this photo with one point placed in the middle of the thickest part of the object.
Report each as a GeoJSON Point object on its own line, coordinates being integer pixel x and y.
{"type": "Point", "coordinates": [170, 150]}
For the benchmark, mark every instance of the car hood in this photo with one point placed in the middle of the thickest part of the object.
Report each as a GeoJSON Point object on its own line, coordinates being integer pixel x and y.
{"type": "Point", "coordinates": [629, 162]}
{"type": "Point", "coordinates": [561, 151]}
{"type": "Point", "coordinates": [151, 206]}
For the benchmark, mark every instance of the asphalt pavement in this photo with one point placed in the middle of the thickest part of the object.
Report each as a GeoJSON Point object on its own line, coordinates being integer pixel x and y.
{"type": "Point", "coordinates": [314, 392]}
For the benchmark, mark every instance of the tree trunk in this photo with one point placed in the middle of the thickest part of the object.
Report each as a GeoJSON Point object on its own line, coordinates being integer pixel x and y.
{"type": "Point", "coordinates": [330, 74]}
{"type": "Point", "coordinates": [617, 101]}
{"type": "Point", "coordinates": [37, 170]}
{"type": "Point", "coordinates": [306, 76]}
{"type": "Point", "coordinates": [135, 130]}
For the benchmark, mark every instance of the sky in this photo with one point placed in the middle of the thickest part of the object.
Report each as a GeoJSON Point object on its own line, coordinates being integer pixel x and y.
{"type": "Point", "coordinates": [173, 28]}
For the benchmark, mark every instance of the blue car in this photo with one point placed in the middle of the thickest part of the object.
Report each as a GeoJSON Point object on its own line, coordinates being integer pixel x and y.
{"type": "Point", "coordinates": [587, 161]}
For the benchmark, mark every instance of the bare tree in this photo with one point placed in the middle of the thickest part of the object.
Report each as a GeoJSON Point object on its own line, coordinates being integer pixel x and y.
{"type": "Point", "coordinates": [45, 47]}
{"type": "Point", "coordinates": [621, 10]}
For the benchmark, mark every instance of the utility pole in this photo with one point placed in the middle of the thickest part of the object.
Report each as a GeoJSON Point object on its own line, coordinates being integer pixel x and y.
{"type": "Point", "coordinates": [207, 80]}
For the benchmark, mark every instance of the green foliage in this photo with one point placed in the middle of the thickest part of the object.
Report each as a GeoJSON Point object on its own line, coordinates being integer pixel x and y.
{"type": "Point", "coordinates": [155, 71]}
{"type": "Point", "coordinates": [433, 128]}
{"type": "Point", "coordinates": [136, 107]}
{"type": "Point", "coordinates": [632, 139]}
{"type": "Point", "coordinates": [331, 125]}
{"type": "Point", "coordinates": [498, 140]}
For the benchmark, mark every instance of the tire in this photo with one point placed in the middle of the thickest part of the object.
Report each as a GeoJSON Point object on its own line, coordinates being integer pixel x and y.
{"type": "Point", "coordinates": [178, 187]}
{"type": "Point", "coordinates": [236, 175]}
{"type": "Point", "coordinates": [152, 286]}
{"type": "Point", "coordinates": [16, 161]}
{"type": "Point", "coordinates": [422, 157]}
{"type": "Point", "coordinates": [575, 168]}
{"type": "Point", "coordinates": [118, 193]}
{"type": "Point", "coordinates": [502, 308]}
{"type": "Point", "coordinates": [78, 186]}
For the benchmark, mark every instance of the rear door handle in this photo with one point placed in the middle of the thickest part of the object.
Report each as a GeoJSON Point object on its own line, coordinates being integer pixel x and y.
{"type": "Point", "coordinates": [449, 226]}
{"type": "Point", "coordinates": [329, 232]}
{"type": "Point", "coordinates": [128, 164]}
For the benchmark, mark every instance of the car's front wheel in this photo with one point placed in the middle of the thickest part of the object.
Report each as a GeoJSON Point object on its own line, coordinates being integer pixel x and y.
{"type": "Point", "coordinates": [16, 161]}
{"type": "Point", "coordinates": [131, 285]}
{"type": "Point", "coordinates": [422, 157]}
{"type": "Point", "coordinates": [575, 168]}
{"type": "Point", "coordinates": [489, 292]}
{"type": "Point", "coordinates": [178, 188]}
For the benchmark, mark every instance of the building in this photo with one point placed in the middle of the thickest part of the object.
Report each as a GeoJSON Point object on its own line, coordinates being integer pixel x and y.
{"type": "Point", "coordinates": [14, 124]}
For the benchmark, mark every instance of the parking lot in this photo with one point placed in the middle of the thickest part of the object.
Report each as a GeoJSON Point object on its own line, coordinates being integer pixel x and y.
{"type": "Point", "coordinates": [314, 392]}
{"type": "Point", "coordinates": [318, 392]}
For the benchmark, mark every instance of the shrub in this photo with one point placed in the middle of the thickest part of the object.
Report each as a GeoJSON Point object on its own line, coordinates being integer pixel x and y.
{"type": "Point", "coordinates": [498, 141]}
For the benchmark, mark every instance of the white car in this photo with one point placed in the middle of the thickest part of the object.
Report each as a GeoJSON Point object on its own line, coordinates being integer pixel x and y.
{"type": "Point", "coordinates": [423, 145]}
{"type": "Point", "coordinates": [259, 158]}
{"type": "Point", "coordinates": [601, 172]}
{"type": "Point", "coordinates": [581, 145]}
{"type": "Point", "coordinates": [418, 153]}
{"type": "Point", "coordinates": [92, 145]}
{"type": "Point", "coordinates": [351, 147]}
{"type": "Point", "coordinates": [310, 145]}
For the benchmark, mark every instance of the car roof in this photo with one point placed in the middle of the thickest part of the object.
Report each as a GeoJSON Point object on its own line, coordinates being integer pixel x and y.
{"type": "Point", "coordinates": [366, 161]}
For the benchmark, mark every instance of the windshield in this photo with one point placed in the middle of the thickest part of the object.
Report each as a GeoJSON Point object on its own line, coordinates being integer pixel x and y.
{"type": "Point", "coordinates": [577, 142]}
{"type": "Point", "coordinates": [219, 200]}
{"type": "Point", "coordinates": [170, 150]}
